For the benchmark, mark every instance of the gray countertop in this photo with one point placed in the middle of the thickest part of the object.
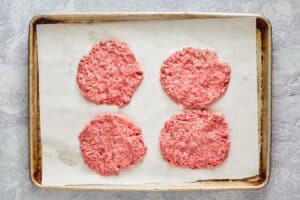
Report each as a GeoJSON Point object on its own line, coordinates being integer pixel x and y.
{"type": "Point", "coordinates": [14, 19]}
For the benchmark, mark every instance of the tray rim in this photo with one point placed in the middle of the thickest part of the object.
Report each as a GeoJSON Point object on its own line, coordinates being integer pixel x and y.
{"type": "Point", "coordinates": [256, 182]}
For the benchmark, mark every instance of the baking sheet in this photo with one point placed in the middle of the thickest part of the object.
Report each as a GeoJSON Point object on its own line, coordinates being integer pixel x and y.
{"type": "Point", "coordinates": [64, 112]}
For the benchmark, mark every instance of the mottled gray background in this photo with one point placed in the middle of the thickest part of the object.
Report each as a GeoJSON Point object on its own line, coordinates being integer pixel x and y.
{"type": "Point", "coordinates": [14, 19]}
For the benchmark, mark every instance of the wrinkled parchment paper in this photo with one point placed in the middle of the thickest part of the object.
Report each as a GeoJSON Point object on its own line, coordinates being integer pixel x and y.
{"type": "Point", "coordinates": [64, 112]}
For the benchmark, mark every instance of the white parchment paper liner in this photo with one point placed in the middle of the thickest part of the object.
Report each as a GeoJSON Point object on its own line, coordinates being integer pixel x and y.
{"type": "Point", "coordinates": [64, 111]}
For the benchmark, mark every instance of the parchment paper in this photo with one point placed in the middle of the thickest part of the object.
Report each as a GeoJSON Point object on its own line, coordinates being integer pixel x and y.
{"type": "Point", "coordinates": [64, 112]}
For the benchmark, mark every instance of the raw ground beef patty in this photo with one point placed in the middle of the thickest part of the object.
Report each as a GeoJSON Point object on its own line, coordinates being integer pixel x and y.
{"type": "Point", "coordinates": [195, 139]}
{"type": "Point", "coordinates": [109, 73]}
{"type": "Point", "coordinates": [110, 143]}
{"type": "Point", "coordinates": [194, 77]}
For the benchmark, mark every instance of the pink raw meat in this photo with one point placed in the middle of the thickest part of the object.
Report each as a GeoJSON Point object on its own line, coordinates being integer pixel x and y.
{"type": "Point", "coordinates": [110, 143]}
{"type": "Point", "coordinates": [194, 77]}
{"type": "Point", "coordinates": [195, 139]}
{"type": "Point", "coordinates": [109, 73]}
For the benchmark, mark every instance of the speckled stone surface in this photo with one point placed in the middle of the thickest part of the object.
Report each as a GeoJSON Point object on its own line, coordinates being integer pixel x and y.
{"type": "Point", "coordinates": [14, 19]}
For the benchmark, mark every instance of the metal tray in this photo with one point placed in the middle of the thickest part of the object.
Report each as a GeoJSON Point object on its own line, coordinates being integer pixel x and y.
{"type": "Point", "coordinates": [263, 44]}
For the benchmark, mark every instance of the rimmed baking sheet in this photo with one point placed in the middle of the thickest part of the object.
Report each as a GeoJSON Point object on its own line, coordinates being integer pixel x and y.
{"type": "Point", "coordinates": [145, 37]}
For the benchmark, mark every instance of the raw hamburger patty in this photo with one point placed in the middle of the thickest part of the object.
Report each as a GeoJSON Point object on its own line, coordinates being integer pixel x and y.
{"type": "Point", "coordinates": [109, 73]}
{"type": "Point", "coordinates": [110, 143]}
{"type": "Point", "coordinates": [194, 77]}
{"type": "Point", "coordinates": [195, 139]}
